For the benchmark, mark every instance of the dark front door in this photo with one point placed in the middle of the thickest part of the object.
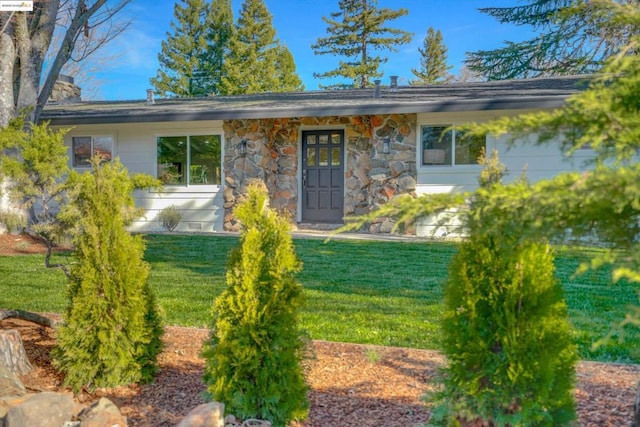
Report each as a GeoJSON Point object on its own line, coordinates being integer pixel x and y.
{"type": "Point", "coordinates": [322, 175]}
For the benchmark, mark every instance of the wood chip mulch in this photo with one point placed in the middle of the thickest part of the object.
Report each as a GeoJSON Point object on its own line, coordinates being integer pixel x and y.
{"type": "Point", "coordinates": [351, 385]}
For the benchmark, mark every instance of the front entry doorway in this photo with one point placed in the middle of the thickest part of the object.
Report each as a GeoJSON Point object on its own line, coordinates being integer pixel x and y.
{"type": "Point", "coordinates": [322, 176]}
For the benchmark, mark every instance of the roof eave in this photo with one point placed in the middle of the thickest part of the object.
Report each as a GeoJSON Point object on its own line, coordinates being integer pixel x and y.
{"type": "Point", "coordinates": [145, 115]}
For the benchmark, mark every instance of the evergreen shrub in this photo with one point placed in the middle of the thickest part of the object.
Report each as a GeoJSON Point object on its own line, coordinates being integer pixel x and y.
{"type": "Point", "coordinates": [111, 334]}
{"type": "Point", "coordinates": [255, 350]}
{"type": "Point", "coordinates": [506, 334]}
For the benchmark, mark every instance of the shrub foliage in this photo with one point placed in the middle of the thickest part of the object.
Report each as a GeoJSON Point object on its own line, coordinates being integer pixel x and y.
{"type": "Point", "coordinates": [505, 327]}
{"type": "Point", "coordinates": [170, 217]}
{"type": "Point", "coordinates": [254, 354]}
{"type": "Point", "coordinates": [112, 330]}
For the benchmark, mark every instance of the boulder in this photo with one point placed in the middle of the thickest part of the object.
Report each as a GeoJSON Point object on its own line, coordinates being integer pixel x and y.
{"type": "Point", "coordinates": [206, 415]}
{"type": "Point", "coordinates": [42, 409]}
{"type": "Point", "coordinates": [102, 413]}
{"type": "Point", "coordinates": [12, 354]}
{"type": "Point", "coordinates": [10, 385]}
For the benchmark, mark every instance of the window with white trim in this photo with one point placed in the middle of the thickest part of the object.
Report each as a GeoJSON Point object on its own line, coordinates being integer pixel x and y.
{"type": "Point", "coordinates": [85, 147]}
{"type": "Point", "coordinates": [444, 145]}
{"type": "Point", "coordinates": [190, 159]}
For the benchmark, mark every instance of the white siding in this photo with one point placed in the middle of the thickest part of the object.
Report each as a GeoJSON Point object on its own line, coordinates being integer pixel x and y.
{"type": "Point", "coordinates": [135, 145]}
{"type": "Point", "coordinates": [538, 162]}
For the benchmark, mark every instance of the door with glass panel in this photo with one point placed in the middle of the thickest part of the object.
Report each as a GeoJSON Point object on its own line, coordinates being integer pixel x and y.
{"type": "Point", "coordinates": [322, 176]}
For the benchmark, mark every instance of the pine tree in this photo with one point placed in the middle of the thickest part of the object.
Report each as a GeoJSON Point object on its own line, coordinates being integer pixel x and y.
{"type": "Point", "coordinates": [184, 60]}
{"type": "Point", "coordinates": [253, 356]}
{"type": "Point", "coordinates": [220, 30]}
{"type": "Point", "coordinates": [111, 333]}
{"type": "Point", "coordinates": [574, 37]}
{"type": "Point", "coordinates": [257, 62]}
{"type": "Point", "coordinates": [355, 32]}
{"type": "Point", "coordinates": [433, 61]}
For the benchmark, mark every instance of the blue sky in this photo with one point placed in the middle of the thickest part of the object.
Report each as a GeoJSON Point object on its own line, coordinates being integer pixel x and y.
{"type": "Point", "coordinates": [299, 24]}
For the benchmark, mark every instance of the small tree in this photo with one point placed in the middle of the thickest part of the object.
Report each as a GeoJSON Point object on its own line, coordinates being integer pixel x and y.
{"type": "Point", "coordinates": [433, 60]}
{"type": "Point", "coordinates": [505, 327]}
{"type": "Point", "coordinates": [35, 162]}
{"type": "Point", "coordinates": [112, 330]}
{"type": "Point", "coordinates": [253, 356]}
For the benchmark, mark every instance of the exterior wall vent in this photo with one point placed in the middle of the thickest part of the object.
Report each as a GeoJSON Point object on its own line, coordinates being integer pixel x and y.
{"type": "Point", "coordinates": [150, 98]}
{"type": "Point", "coordinates": [195, 226]}
{"type": "Point", "coordinates": [394, 83]}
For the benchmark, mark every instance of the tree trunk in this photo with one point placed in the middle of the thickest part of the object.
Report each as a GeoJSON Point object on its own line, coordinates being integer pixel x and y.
{"type": "Point", "coordinates": [12, 354]}
{"type": "Point", "coordinates": [7, 61]}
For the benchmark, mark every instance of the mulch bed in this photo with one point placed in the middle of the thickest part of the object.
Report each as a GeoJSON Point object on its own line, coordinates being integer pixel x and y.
{"type": "Point", "coordinates": [351, 385]}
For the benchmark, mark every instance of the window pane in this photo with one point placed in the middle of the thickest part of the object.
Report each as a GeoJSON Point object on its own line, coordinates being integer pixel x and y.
{"type": "Point", "coordinates": [205, 160]}
{"type": "Point", "coordinates": [172, 159]}
{"type": "Point", "coordinates": [436, 146]}
{"type": "Point", "coordinates": [468, 149]}
{"type": "Point", "coordinates": [335, 138]}
{"type": "Point", "coordinates": [311, 139]}
{"type": "Point", "coordinates": [324, 157]}
{"type": "Point", "coordinates": [324, 139]}
{"type": "Point", "coordinates": [311, 156]}
{"type": "Point", "coordinates": [81, 146]}
{"type": "Point", "coordinates": [103, 147]}
{"type": "Point", "coordinates": [335, 156]}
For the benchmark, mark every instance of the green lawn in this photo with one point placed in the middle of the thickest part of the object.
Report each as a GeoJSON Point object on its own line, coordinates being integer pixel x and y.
{"type": "Point", "coordinates": [386, 293]}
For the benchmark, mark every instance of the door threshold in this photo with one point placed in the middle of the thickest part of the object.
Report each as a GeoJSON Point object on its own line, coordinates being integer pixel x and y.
{"type": "Point", "coordinates": [318, 226]}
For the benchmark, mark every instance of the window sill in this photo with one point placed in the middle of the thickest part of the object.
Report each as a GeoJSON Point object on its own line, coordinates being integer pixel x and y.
{"type": "Point", "coordinates": [450, 168]}
{"type": "Point", "coordinates": [188, 189]}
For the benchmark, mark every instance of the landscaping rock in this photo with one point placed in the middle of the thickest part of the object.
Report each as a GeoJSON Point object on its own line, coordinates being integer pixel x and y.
{"type": "Point", "coordinates": [100, 414]}
{"type": "Point", "coordinates": [12, 354]}
{"type": "Point", "coordinates": [10, 385]}
{"type": "Point", "coordinates": [256, 423]}
{"type": "Point", "coordinates": [42, 409]}
{"type": "Point", "coordinates": [206, 415]}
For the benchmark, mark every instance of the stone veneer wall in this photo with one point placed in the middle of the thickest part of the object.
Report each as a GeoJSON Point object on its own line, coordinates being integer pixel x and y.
{"type": "Point", "coordinates": [371, 177]}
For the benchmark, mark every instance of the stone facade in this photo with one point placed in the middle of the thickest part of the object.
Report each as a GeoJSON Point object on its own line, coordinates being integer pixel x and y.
{"type": "Point", "coordinates": [371, 177]}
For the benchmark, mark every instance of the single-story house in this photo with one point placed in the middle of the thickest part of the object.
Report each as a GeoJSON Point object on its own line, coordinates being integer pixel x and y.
{"type": "Point", "coordinates": [324, 155]}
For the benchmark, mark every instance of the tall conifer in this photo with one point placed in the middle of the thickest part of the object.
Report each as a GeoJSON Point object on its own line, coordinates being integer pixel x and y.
{"type": "Point", "coordinates": [433, 60]}
{"type": "Point", "coordinates": [220, 31]}
{"type": "Point", "coordinates": [355, 32]}
{"type": "Point", "coordinates": [572, 37]}
{"type": "Point", "coordinates": [257, 62]}
{"type": "Point", "coordinates": [111, 333]}
{"type": "Point", "coordinates": [184, 60]}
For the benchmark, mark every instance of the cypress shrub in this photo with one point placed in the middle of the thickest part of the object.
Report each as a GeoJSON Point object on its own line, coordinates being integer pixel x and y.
{"type": "Point", "coordinates": [111, 334]}
{"type": "Point", "coordinates": [506, 332]}
{"type": "Point", "coordinates": [255, 350]}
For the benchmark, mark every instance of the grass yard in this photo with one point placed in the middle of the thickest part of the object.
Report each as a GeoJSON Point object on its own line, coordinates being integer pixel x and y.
{"type": "Point", "coordinates": [374, 292]}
